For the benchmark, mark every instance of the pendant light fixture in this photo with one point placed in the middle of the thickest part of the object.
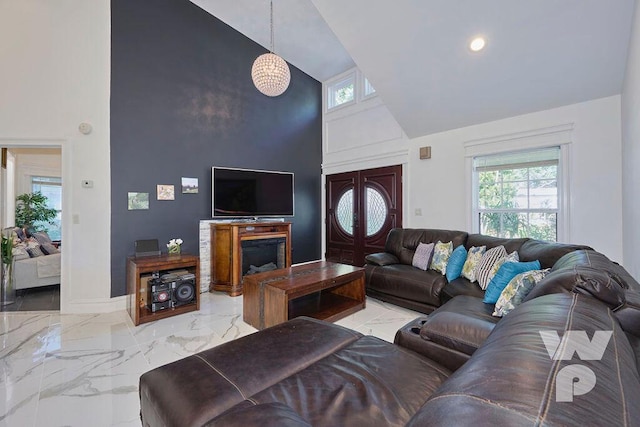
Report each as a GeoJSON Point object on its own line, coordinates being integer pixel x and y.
{"type": "Point", "coordinates": [270, 73]}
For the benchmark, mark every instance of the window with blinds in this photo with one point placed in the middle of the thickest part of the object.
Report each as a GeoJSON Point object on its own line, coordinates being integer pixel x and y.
{"type": "Point", "coordinates": [516, 194]}
{"type": "Point", "coordinates": [51, 187]}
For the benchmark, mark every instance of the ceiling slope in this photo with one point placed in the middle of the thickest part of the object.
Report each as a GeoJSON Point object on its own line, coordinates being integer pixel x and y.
{"type": "Point", "coordinates": [539, 55]}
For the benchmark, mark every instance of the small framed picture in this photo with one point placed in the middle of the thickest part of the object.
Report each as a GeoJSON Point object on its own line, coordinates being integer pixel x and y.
{"type": "Point", "coordinates": [137, 201]}
{"type": "Point", "coordinates": [189, 185]}
{"type": "Point", "coordinates": [166, 192]}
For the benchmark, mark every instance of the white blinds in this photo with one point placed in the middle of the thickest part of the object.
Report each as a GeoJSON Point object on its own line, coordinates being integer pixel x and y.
{"type": "Point", "coordinates": [516, 160]}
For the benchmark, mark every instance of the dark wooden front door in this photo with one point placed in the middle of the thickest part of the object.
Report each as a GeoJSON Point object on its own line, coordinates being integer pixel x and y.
{"type": "Point", "coordinates": [362, 207]}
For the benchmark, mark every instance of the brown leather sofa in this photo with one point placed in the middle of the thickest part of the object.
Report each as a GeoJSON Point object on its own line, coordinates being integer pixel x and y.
{"type": "Point", "coordinates": [391, 277]}
{"type": "Point", "coordinates": [310, 373]}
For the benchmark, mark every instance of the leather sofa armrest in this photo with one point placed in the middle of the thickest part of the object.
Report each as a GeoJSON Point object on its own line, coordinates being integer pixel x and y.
{"type": "Point", "coordinates": [457, 331]}
{"type": "Point", "coordinates": [381, 259]}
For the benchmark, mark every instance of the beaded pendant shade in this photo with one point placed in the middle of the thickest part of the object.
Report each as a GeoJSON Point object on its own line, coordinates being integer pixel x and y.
{"type": "Point", "coordinates": [270, 73]}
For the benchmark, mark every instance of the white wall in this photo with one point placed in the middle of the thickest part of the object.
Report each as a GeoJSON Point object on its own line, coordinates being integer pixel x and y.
{"type": "Point", "coordinates": [631, 151]}
{"type": "Point", "coordinates": [54, 74]}
{"type": "Point", "coordinates": [439, 187]}
{"type": "Point", "coordinates": [35, 162]}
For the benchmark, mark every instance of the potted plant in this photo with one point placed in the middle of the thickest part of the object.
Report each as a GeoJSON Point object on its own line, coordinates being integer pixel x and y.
{"type": "Point", "coordinates": [32, 211]}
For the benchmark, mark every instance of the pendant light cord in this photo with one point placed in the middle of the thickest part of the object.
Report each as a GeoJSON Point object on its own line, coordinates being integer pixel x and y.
{"type": "Point", "coordinates": [271, 20]}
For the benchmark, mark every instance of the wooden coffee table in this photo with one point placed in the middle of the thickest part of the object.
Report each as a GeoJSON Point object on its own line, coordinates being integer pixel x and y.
{"type": "Point", "coordinates": [323, 290]}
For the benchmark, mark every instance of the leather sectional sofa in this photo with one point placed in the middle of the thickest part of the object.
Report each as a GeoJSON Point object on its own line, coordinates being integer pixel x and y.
{"type": "Point", "coordinates": [391, 277]}
{"type": "Point", "coordinates": [310, 373]}
{"type": "Point", "coordinates": [458, 366]}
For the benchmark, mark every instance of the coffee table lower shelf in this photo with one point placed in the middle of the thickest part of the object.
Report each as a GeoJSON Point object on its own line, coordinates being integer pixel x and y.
{"type": "Point", "coordinates": [324, 306]}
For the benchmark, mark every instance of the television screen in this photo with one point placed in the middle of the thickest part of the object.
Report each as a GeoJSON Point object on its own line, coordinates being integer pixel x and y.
{"type": "Point", "coordinates": [251, 193]}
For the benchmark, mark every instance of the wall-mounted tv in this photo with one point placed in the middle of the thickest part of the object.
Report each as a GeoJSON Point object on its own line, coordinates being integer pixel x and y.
{"type": "Point", "coordinates": [250, 193]}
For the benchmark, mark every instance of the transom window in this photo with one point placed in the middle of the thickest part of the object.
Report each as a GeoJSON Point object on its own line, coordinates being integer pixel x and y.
{"type": "Point", "coordinates": [342, 91]}
{"type": "Point", "coordinates": [516, 194]}
{"type": "Point", "coordinates": [51, 188]}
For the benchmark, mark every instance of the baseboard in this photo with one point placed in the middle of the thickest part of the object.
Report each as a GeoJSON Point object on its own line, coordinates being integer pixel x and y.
{"type": "Point", "coordinates": [94, 305]}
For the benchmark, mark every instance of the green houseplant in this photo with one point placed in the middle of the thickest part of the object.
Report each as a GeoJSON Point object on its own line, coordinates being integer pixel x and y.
{"type": "Point", "coordinates": [32, 211]}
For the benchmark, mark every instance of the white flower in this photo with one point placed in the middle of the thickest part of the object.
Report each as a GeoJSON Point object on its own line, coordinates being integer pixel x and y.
{"type": "Point", "coordinates": [174, 242]}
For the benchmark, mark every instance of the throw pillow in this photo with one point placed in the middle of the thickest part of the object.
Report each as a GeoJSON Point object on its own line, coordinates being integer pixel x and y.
{"type": "Point", "coordinates": [42, 237]}
{"type": "Point", "coordinates": [422, 256]}
{"type": "Point", "coordinates": [48, 249]}
{"type": "Point", "coordinates": [512, 257]}
{"type": "Point", "coordinates": [441, 254]}
{"type": "Point", "coordinates": [517, 290]}
{"type": "Point", "coordinates": [485, 266]}
{"type": "Point", "coordinates": [473, 258]}
{"type": "Point", "coordinates": [19, 252]}
{"type": "Point", "coordinates": [456, 262]}
{"type": "Point", "coordinates": [508, 271]}
{"type": "Point", "coordinates": [34, 251]}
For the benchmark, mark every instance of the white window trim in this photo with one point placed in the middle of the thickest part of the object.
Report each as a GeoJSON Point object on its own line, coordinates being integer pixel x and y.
{"type": "Point", "coordinates": [560, 135]}
{"type": "Point", "coordinates": [328, 91]}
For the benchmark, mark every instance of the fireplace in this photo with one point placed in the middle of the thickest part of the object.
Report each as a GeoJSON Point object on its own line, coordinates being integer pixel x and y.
{"type": "Point", "coordinates": [236, 246]}
{"type": "Point", "coordinates": [260, 255]}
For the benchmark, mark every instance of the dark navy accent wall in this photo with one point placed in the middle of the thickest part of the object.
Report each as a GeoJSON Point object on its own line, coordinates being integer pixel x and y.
{"type": "Point", "coordinates": [182, 101]}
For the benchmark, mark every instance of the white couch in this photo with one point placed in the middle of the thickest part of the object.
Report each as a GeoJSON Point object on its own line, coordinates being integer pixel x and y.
{"type": "Point", "coordinates": [34, 272]}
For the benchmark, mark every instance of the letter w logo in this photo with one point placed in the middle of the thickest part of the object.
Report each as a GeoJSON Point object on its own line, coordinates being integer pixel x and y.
{"type": "Point", "coordinates": [575, 342]}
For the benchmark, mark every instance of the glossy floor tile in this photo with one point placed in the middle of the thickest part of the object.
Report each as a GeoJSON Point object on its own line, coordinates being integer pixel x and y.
{"type": "Point", "coordinates": [83, 370]}
{"type": "Point", "coordinates": [43, 298]}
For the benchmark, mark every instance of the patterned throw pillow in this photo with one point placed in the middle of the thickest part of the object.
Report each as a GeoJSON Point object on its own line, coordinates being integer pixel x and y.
{"type": "Point", "coordinates": [508, 271]}
{"type": "Point", "coordinates": [34, 251]}
{"type": "Point", "coordinates": [441, 254]}
{"type": "Point", "coordinates": [512, 257]}
{"type": "Point", "coordinates": [517, 290]}
{"type": "Point", "coordinates": [456, 262]}
{"type": "Point", "coordinates": [422, 256]}
{"type": "Point", "coordinates": [20, 252]}
{"type": "Point", "coordinates": [473, 258]}
{"type": "Point", "coordinates": [485, 266]}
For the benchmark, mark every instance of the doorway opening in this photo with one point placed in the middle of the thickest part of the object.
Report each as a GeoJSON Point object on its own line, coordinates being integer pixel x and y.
{"type": "Point", "coordinates": [362, 207]}
{"type": "Point", "coordinates": [36, 261]}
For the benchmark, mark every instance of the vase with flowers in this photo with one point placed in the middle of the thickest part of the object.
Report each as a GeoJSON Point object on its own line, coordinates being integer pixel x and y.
{"type": "Point", "coordinates": [174, 246]}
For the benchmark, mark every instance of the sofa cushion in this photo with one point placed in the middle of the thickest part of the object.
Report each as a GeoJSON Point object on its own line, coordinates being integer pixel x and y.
{"type": "Point", "coordinates": [474, 255]}
{"type": "Point", "coordinates": [200, 387]}
{"type": "Point", "coordinates": [484, 270]}
{"type": "Point", "coordinates": [461, 324]}
{"type": "Point", "coordinates": [598, 283]}
{"type": "Point", "coordinates": [547, 253]}
{"type": "Point", "coordinates": [402, 242]}
{"type": "Point", "coordinates": [517, 289]}
{"type": "Point", "coordinates": [507, 271]}
{"type": "Point", "coordinates": [512, 380]}
{"type": "Point", "coordinates": [369, 383]}
{"type": "Point", "coordinates": [461, 286]}
{"type": "Point", "coordinates": [441, 253]}
{"type": "Point", "coordinates": [381, 258]}
{"type": "Point", "coordinates": [422, 256]}
{"type": "Point", "coordinates": [407, 282]}
{"type": "Point", "coordinates": [456, 262]}
{"type": "Point", "coordinates": [510, 245]}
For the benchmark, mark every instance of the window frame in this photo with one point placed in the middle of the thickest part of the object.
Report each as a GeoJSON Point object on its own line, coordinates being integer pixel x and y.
{"type": "Point", "coordinates": [539, 138]}
{"type": "Point", "coordinates": [477, 170]}
{"type": "Point", "coordinates": [56, 182]}
{"type": "Point", "coordinates": [342, 81]}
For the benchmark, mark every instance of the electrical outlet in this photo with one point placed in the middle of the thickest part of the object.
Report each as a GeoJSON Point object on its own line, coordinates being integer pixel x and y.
{"type": "Point", "coordinates": [418, 212]}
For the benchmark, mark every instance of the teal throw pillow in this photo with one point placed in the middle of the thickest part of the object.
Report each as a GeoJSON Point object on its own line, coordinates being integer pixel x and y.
{"type": "Point", "coordinates": [508, 271]}
{"type": "Point", "coordinates": [456, 262]}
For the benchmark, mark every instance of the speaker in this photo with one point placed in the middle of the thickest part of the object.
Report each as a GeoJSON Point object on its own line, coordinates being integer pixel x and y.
{"type": "Point", "coordinates": [159, 295]}
{"type": "Point", "coordinates": [184, 291]}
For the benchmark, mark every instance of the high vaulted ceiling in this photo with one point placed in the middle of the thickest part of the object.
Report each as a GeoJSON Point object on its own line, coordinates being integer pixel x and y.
{"type": "Point", "coordinates": [540, 54]}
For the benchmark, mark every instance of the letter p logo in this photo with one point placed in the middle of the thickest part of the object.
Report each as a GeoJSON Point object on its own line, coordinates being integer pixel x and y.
{"type": "Point", "coordinates": [574, 380]}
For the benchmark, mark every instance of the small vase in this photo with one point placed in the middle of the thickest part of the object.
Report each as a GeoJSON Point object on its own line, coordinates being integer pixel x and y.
{"type": "Point", "coordinates": [174, 250]}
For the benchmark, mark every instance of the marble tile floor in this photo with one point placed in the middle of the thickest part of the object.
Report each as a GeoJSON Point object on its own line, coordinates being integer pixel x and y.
{"type": "Point", "coordinates": [83, 370]}
{"type": "Point", "coordinates": [43, 298]}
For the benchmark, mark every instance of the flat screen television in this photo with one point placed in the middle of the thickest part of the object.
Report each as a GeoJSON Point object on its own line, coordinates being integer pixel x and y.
{"type": "Point", "coordinates": [250, 193]}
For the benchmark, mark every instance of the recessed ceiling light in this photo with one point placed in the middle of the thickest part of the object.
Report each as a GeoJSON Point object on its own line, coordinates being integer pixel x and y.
{"type": "Point", "coordinates": [477, 44]}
